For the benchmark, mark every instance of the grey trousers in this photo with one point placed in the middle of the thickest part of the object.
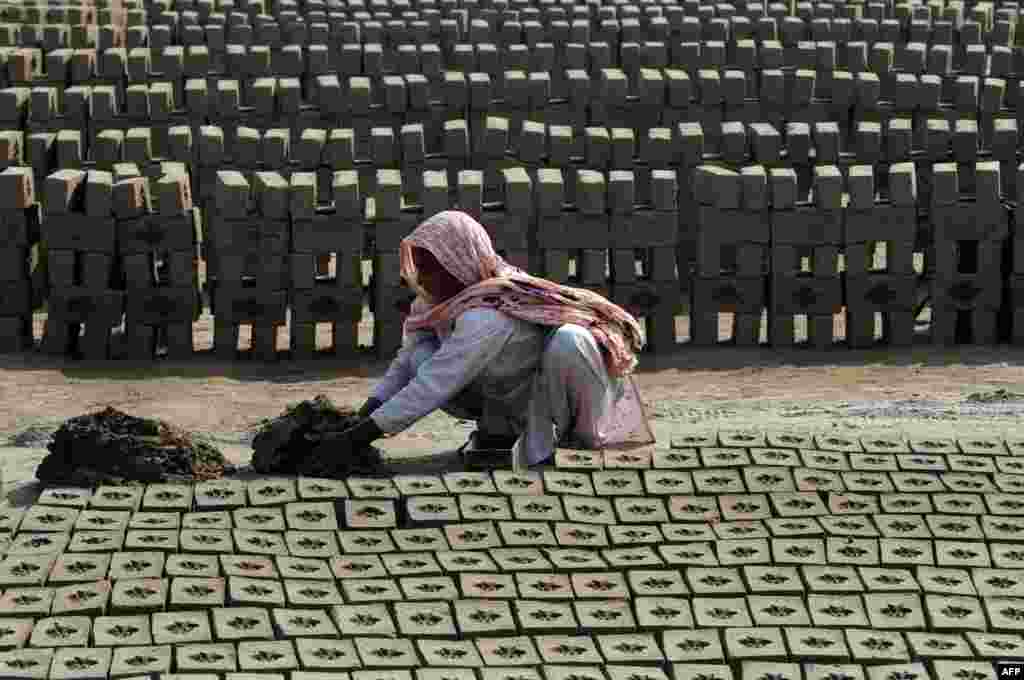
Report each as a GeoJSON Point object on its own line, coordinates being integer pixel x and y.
{"type": "Point", "coordinates": [573, 396]}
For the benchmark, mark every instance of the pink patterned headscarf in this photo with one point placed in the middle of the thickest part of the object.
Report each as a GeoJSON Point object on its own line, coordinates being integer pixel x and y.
{"type": "Point", "coordinates": [462, 246]}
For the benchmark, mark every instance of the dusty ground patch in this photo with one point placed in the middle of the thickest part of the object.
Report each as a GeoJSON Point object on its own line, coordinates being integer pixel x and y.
{"type": "Point", "coordinates": [919, 391]}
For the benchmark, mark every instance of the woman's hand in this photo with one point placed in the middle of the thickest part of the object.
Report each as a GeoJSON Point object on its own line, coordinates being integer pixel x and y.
{"type": "Point", "coordinates": [351, 448]}
{"type": "Point", "coordinates": [367, 409]}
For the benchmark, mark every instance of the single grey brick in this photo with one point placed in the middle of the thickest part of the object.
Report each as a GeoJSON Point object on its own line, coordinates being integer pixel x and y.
{"type": "Point", "coordinates": [456, 139]}
{"type": "Point", "coordinates": [12, 147]}
{"type": "Point", "coordinates": [590, 192]}
{"type": "Point", "coordinates": [987, 182]}
{"type": "Point", "coordinates": [174, 193]}
{"type": "Point", "coordinates": [784, 188]}
{"type": "Point", "coordinates": [861, 185]}
{"type": "Point", "coordinates": [945, 184]}
{"type": "Point", "coordinates": [621, 192]}
{"type": "Point", "coordinates": [382, 147]}
{"type": "Point", "coordinates": [518, 191]}
{"type": "Point", "coordinates": [136, 102]}
{"type": "Point", "coordinates": [303, 194]}
{"type": "Point", "coordinates": [211, 146]}
{"type": "Point", "coordinates": [754, 184]}
{"type": "Point", "coordinates": [347, 199]}
{"type": "Point", "coordinates": [138, 145]}
{"type": "Point", "coordinates": [691, 143]}
{"type": "Point", "coordinates": [39, 151]}
{"type": "Point", "coordinates": [161, 100]}
{"type": "Point", "coordinates": [271, 192]}
{"type": "Point", "coordinates": [179, 142]}
{"type": "Point", "coordinates": [340, 150]}
{"type": "Point", "coordinates": [435, 192]}
{"type": "Point", "coordinates": [99, 194]}
{"type": "Point", "coordinates": [43, 103]}
{"type": "Point", "coordinates": [17, 187]}
{"type": "Point", "coordinates": [132, 198]}
{"type": "Point", "coordinates": [61, 191]}
{"type": "Point", "coordinates": [664, 190]}
{"type": "Point", "coordinates": [388, 196]}
{"type": "Point", "coordinates": [828, 187]}
{"type": "Point", "coordinates": [277, 148]}
{"type": "Point", "coordinates": [233, 194]}
{"type": "Point", "coordinates": [413, 144]}
{"type": "Point", "coordinates": [470, 191]}
{"type": "Point", "coordinates": [69, 148]}
{"type": "Point", "coordinates": [550, 191]}
{"type": "Point", "coordinates": [197, 97]}
{"type": "Point", "coordinates": [532, 144]}
{"type": "Point", "coordinates": [310, 148]}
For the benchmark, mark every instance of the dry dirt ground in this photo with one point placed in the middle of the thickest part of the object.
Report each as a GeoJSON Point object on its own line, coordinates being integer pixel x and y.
{"type": "Point", "coordinates": [923, 391]}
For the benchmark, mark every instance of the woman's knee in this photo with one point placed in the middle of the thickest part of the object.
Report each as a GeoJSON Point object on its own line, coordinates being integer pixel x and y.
{"type": "Point", "coordinates": [570, 339]}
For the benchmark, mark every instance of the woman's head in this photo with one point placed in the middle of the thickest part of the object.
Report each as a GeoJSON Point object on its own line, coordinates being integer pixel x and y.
{"type": "Point", "coordinates": [436, 281]}
{"type": "Point", "coordinates": [448, 253]}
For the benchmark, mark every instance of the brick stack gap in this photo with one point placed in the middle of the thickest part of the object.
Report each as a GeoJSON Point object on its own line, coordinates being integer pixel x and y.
{"type": "Point", "coordinates": [964, 262]}
{"type": "Point", "coordinates": [250, 232]}
{"type": "Point", "coordinates": [331, 231]}
{"type": "Point", "coordinates": [80, 235]}
{"type": "Point", "coordinates": [159, 255]}
{"type": "Point", "coordinates": [878, 249]}
{"type": "Point", "coordinates": [20, 258]}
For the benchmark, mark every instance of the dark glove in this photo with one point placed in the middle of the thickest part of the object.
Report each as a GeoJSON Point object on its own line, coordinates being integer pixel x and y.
{"type": "Point", "coordinates": [350, 449]}
{"type": "Point", "coordinates": [367, 409]}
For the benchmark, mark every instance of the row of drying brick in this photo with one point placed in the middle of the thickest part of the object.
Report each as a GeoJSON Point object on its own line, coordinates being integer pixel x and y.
{"type": "Point", "coordinates": [784, 299]}
{"type": "Point", "coordinates": [509, 27]}
{"type": "Point", "coordinates": [458, 143]}
{"type": "Point", "coordinates": [605, 207]}
{"type": "Point", "coordinates": [986, 16]}
{"type": "Point", "coordinates": [665, 102]}
{"type": "Point", "coordinates": [374, 60]}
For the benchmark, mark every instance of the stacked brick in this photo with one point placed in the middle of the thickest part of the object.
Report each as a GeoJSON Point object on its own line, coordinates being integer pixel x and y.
{"type": "Point", "coordinates": [578, 232]}
{"type": "Point", "coordinates": [657, 291]}
{"type": "Point", "coordinates": [249, 234]}
{"type": "Point", "coordinates": [80, 234]}
{"type": "Point", "coordinates": [965, 259]}
{"type": "Point", "coordinates": [732, 242]}
{"type": "Point", "coordinates": [805, 245]}
{"type": "Point", "coordinates": [878, 248]}
{"type": "Point", "coordinates": [331, 232]}
{"type": "Point", "coordinates": [19, 254]}
{"type": "Point", "coordinates": [390, 221]}
{"type": "Point", "coordinates": [1013, 320]}
{"type": "Point", "coordinates": [476, 107]}
{"type": "Point", "coordinates": [159, 231]}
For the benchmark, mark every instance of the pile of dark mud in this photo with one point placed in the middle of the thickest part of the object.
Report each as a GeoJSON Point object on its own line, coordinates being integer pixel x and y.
{"type": "Point", "coordinates": [112, 447]}
{"type": "Point", "coordinates": [285, 444]}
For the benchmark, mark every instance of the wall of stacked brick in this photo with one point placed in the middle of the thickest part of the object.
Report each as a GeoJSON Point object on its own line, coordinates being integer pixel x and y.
{"type": "Point", "coordinates": [786, 163]}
